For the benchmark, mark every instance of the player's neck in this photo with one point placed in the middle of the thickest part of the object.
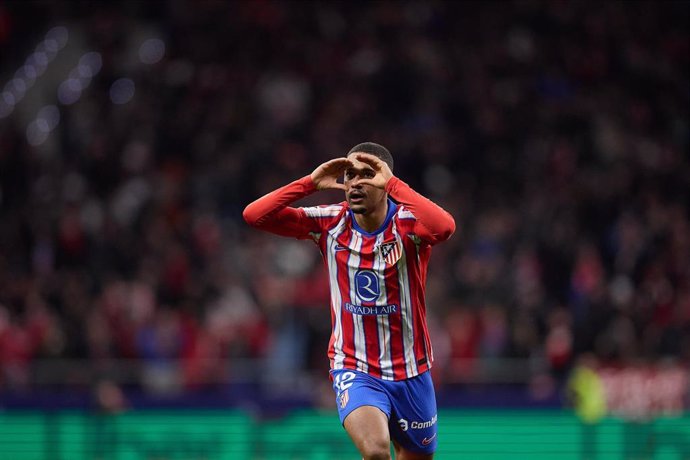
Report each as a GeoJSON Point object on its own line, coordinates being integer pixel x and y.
{"type": "Point", "coordinates": [372, 221]}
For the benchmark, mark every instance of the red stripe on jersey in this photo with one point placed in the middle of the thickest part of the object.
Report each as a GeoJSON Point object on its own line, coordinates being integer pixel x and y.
{"type": "Point", "coordinates": [424, 254]}
{"type": "Point", "coordinates": [395, 321]}
{"type": "Point", "coordinates": [336, 312]}
{"type": "Point", "coordinates": [323, 247]}
{"type": "Point", "coordinates": [323, 244]}
{"type": "Point", "coordinates": [416, 271]}
{"type": "Point", "coordinates": [348, 328]}
{"type": "Point", "coordinates": [417, 299]}
{"type": "Point", "coordinates": [369, 322]}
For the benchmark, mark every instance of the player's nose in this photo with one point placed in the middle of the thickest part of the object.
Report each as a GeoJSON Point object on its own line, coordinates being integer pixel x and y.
{"type": "Point", "coordinates": [354, 183]}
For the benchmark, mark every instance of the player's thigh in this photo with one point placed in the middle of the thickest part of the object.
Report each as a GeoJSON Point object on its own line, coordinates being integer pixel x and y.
{"type": "Point", "coordinates": [413, 416]}
{"type": "Point", "coordinates": [403, 454]}
{"type": "Point", "coordinates": [368, 428]}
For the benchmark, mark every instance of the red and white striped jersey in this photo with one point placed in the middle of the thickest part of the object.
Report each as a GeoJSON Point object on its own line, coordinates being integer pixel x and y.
{"type": "Point", "coordinates": [377, 280]}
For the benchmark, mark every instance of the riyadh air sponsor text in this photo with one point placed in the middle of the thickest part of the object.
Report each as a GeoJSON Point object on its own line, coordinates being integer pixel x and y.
{"type": "Point", "coordinates": [371, 310]}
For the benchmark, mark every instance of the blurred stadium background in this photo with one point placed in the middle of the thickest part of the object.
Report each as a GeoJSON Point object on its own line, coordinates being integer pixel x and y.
{"type": "Point", "coordinates": [141, 319]}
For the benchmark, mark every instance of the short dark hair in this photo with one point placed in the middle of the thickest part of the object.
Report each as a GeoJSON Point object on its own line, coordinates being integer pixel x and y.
{"type": "Point", "coordinates": [377, 150]}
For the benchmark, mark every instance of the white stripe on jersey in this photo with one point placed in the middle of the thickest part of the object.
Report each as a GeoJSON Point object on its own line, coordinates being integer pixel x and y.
{"type": "Point", "coordinates": [406, 312]}
{"type": "Point", "coordinates": [323, 211]}
{"type": "Point", "coordinates": [357, 320]}
{"type": "Point", "coordinates": [385, 355]}
{"type": "Point", "coordinates": [336, 299]}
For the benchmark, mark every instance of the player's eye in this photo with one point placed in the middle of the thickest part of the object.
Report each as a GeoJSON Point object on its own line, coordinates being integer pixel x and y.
{"type": "Point", "coordinates": [348, 175]}
{"type": "Point", "coordinates": [369, 173]}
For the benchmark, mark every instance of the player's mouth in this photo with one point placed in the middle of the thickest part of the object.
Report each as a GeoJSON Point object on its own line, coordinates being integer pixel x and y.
{"type": "Point", "coordinates": [356, 197]}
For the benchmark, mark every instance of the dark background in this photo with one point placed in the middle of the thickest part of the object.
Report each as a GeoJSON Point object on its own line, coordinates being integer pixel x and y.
{"type": "Point", "coordinates": [556, 133]}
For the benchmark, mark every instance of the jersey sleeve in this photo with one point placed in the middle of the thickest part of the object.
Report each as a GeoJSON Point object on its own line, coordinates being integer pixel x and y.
{"type": "Point", "coordinates": [271, 212]}
{"type": "Point", "coordinates": [433, 224]}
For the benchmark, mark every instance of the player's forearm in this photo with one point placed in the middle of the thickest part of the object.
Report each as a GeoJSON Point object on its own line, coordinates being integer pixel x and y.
{"type": "Point", "coordinates": [435, 223]}
{"type": "Point", "coordinates": [272, 207]}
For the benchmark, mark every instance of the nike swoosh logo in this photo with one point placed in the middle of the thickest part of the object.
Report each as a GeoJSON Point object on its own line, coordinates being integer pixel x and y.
{"type": "Point", "coordinates": [340, 248]}
{"type": "Point", "coordinates": [427, 441]}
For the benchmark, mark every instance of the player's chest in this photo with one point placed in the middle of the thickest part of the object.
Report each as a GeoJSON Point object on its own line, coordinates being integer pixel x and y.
{"type": "Point", "coordinates": [355, 250]}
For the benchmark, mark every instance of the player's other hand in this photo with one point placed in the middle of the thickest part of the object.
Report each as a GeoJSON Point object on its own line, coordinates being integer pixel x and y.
{"type": "Point", "coordinates": [326, 175]}
{"type": "Point", "coordinates": [381, 168]}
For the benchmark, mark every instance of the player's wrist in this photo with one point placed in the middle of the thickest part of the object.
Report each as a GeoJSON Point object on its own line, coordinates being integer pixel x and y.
{"type": "Point", "coordinates": [391, 183]}
{"type": "Point", "coordinates": [309, 183]}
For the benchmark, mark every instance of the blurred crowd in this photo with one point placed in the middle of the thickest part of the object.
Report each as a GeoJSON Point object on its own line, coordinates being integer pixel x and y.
{"type": "Point", "coordinates": [556, 133]}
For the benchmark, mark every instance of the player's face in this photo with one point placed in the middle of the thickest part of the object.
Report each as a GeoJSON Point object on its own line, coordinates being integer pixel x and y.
{"type": "Point", "coordinates": [362, 198]}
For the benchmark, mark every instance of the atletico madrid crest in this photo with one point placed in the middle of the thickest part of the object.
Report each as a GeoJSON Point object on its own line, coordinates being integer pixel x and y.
{"type": "Point", "coordinates": [391, 252]}
{"type": "Point", "coordinates": [344, 398]}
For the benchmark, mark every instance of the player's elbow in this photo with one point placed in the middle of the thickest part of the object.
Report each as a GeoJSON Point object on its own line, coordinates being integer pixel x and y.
{"type": "Point", "coordinates": [446, 230]}
{"type": "Point", "coordinates": [250, 217]}
{"type": "Point", "coordinates": [450, 228]}
{"type": "Point", "coordinates": [442, 229]}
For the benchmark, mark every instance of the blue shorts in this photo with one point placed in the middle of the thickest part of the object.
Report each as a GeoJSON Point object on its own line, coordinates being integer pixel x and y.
{"type": "Point", "coordinates": [410, 405]}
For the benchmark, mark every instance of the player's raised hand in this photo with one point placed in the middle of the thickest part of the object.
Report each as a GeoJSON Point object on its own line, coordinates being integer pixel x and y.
{"type": "Point", "coordinates": [383, 172]}
{"type": "Point", "coordinates": [327, 174]}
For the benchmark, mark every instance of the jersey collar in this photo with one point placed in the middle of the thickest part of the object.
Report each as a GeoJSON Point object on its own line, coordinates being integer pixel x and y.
{"type": "Point", "coordinates": [392, 208]}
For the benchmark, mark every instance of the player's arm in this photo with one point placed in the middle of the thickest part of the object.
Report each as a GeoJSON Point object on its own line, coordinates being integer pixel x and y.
{"type": "Point", "coordinates": [272, 212]}
{"type": "Point", "coordinates": [433, 224]}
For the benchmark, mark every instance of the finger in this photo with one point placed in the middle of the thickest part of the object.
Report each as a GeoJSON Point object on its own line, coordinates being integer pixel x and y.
{"type": "Point", "coordinates": [371, 160]}
{"type": "Point", "coordinates": [338, 162]}
{"type": "Point", "coordinates": [338, 165]}
{"type": "Point", "coordinates": [330, 164]}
